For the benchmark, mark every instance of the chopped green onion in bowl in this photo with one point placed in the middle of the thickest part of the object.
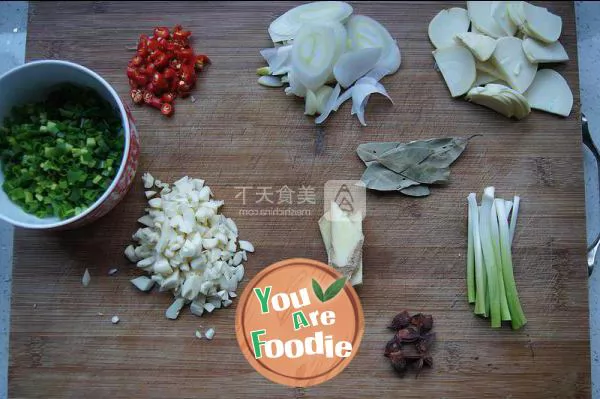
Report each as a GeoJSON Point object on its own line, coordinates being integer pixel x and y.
{"type": "Point", "coordinates": [58, 156]}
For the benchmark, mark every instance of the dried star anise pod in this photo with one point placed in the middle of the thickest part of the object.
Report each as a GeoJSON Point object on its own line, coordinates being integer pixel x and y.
{"type": "Point", "coordinates": [423, 321]}
{"type": "Point", "coordinates": [398, 361]}
{"type": "Point", "coordinates": [408, 334]}
{"type": "Point", "coordinates": [400, 321]}
{"type": "Point", "coordinates": [425, 342]}
{"type": "Point", "coordinates": [392, 346]}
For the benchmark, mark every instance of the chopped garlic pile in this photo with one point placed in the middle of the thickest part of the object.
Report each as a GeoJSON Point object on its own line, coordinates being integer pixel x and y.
{"type": "Point", "coordinates": [187, 247]}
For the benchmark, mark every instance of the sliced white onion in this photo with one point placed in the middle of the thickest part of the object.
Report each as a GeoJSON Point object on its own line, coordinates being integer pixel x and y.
{"type": "Point", "coordinates": [295, 87]}
{"type": "Point", "coordinates": [365, 32]}
{"type": "Point", "coordinates": [270, 81]}
{"type": "Point", "coordinates": [313, 54]}
{"type": "Point", "coordinates": [329, 105]}
{"type": "Point", "coordinates": [287, 25]}
{"type": "Point", "coordinates": [377, 73]}
{"type": "Point", "coordinates": [322, 96]}
{"type": "Point", "coordinates": [354, 64]}
{"type": "Point", "coordinates": [447, 24]}
{"type": "Point", "coordinates": [361, 92]}
{"type": "Point", "coordinates": [310, 103]}
{"type": "Point", "coordinates": [345, 96]}
{"type": "Point", "coordinates": [278, 58]}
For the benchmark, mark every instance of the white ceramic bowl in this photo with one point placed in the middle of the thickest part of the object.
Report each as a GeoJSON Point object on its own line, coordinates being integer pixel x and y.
{"type": "Point", "coordinates": [31, 83]}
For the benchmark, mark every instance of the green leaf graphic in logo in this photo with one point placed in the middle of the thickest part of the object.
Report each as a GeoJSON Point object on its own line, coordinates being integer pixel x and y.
{"type": "Point", "coordinates": [330, 292]}
{"type": "Point", "coordinates": [318, 290]}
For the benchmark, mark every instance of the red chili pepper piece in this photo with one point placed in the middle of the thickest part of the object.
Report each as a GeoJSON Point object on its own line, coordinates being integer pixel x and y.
{"type": "Point", "coordinates": [168, 97]}
{"type": "Point", "coordinates": [153, 44]}
{"type": "Point", "coordinates": [170, 74]}
{"type": "Point", "coordinates": [150, 69]}
{"type": "Point", "coordinates": [180, 34]}
{"type": "Point", "coordinates": [183, 87]}
{"type": "Point", "coordinates": [131, 72]}
{"type": "Point", "coordinates": [159, 81]}
{"type": "Point", "coordinates": [137, 96]}
{"type": "Point", "coordinates": [151, 88]}
{"type": "Point", "coordinates": [204, 59]}
{"type": "Point", "coordinates": [167, 109]}
{"type": "Point", "coordinates": [133, 84]}
{"type": "Point", "coordinates": [185, 55]}
{"type": "Point", "coordinates": [188, 74]}
{"type": "Point", "coordinates": [137, 61]}
{"type": "Point", "coordinates": [161, 32]}
{"type": "Point", "coordinates": [161, 60]}
{"type": "Point", "coordinates": [140, 79]}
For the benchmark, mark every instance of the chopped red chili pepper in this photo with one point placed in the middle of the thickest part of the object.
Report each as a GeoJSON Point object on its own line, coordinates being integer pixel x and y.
{"type": "Point", "coordinates": [164, 68]}
{"type": "Point", "coordinates": [168, 97]}
{"type": "Point", "coordinates": [153, 44]}
{"type": "Point", "coordinates": [161, 60]}
{"type": "Point", "coordinates": [137, 96]}
{"type": "Point", "coordinates": [161, 32]}
{"type": "Point", "coordinates": [204, 59]}
{"type": "Point", "coordinates": [159, 81]}
{"type": "Point", "coordinates": [170, 73]}
{"type": "Point", "coordinates": [130, 72]}
{"type": "Point", "coordinates": [137, 61]}
{"type": "Point", "coordinates": [185, 55]}
{"type": "Point", "coordinates": [140, 79]}
{"type": "Point", "coordinates": [167, 109]}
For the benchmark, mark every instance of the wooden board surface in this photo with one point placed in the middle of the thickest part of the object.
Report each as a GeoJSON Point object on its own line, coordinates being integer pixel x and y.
{"type": "Point", "coordinates": [240, 134]}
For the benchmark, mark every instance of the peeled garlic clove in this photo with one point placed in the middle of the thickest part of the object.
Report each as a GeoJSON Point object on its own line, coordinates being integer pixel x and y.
{"type": "Point", "coordinates": [148, 180]}
{"type": "Point", "coordinates": [210, 333]}
{"type": "Point", "coordinates": [173, 310]}
{"type": "Point", "coordinates": [86, 278]}
{"type": "Point", "coordinates": [142, 283]}
{"type": "Point", "coordinates": [246, 246]}
{"type": "Point", "coordinates": [130, 254]}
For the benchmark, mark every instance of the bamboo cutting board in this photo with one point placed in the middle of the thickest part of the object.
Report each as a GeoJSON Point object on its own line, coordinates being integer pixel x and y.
{"type": "Point", "coordinates": [239, 134]}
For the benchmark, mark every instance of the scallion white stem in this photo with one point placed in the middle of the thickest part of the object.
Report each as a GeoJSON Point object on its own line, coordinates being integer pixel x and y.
{"type": "Point", "coordinates": [518, 317]}
{"type": "Point", "coordinates": [498, 202]}
{"type": "Point", "coordinates": [513, 219]}
{"type": "Point", "coordinates": [489, 257]}
{"type": "Point", "coordinates": [478, 278]}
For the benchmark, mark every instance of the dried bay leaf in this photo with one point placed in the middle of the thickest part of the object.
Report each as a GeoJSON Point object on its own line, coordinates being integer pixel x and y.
{"type": "Point", "coordinates": [394, 166]}
{"type": "Point", "coordinates": [403, 158]}
{"type": "Point", "coordinates": [416, 191]}
{"type": "Point", "coordinates": [378, 177]}
{"type": "Point", "coordinates": [423, 173]}
{"type": "Point", "coordinates": [446, 151]}
{"type": "Point", "coordinates": [369, 152]}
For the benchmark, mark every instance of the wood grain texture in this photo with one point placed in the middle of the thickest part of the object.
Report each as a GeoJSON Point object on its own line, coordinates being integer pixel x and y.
{"type": "Point", "coordinates": [241, 134]}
